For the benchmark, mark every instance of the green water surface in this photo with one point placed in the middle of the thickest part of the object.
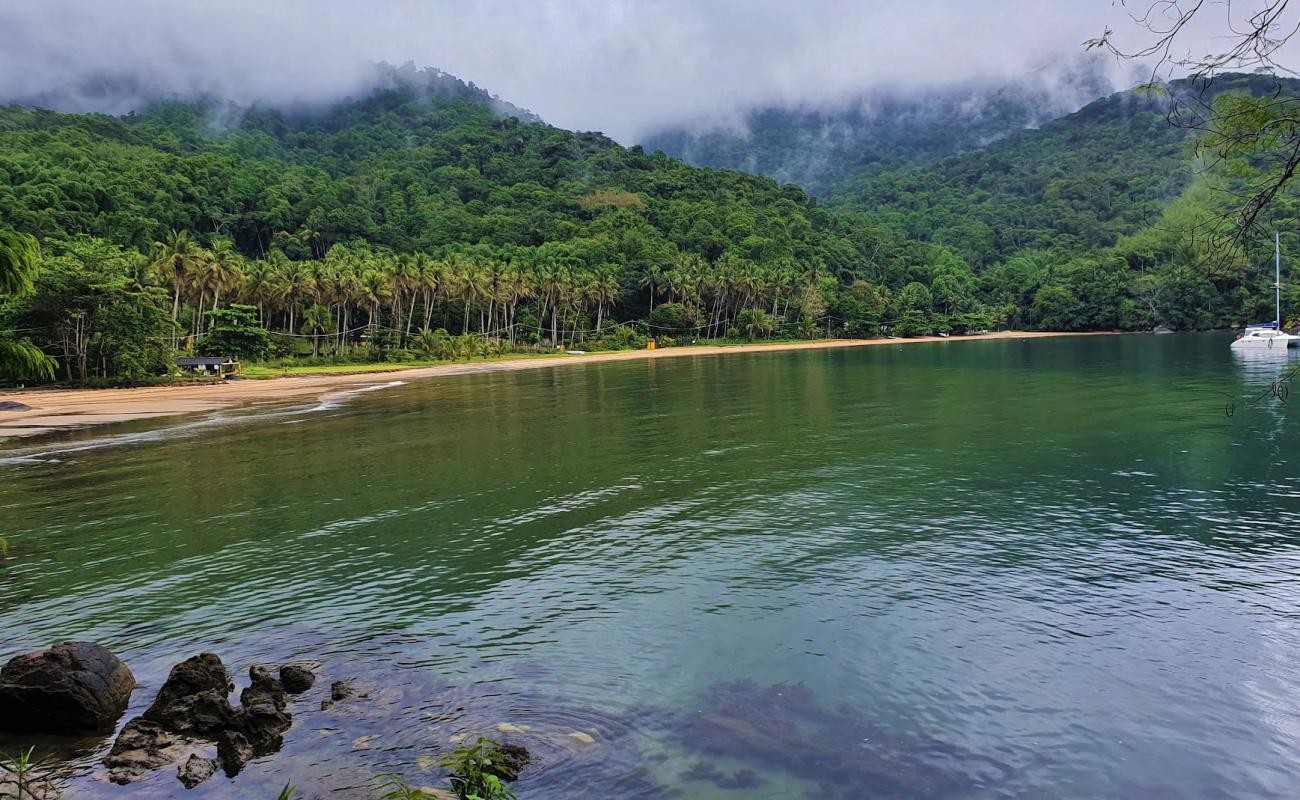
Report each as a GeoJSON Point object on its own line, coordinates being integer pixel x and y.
{"type": "Point", "coordinates": [988, 569]}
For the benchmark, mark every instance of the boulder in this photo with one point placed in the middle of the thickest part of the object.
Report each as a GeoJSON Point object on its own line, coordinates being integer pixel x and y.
{"type": "Point", "coordinates": [194, 700]}
{"type": "Point", "coordinates": [296, 679]}
{"type": "Point", "coordinates": [71, 688]}
{"type": "Point", "coordinates": [141, 748]}
{"type": "Point", "coordinates": [196, 770]}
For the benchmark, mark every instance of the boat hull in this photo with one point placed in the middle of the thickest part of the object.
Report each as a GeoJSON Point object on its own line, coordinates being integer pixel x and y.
{"type": "Point", "coordinates": [1279, 343]}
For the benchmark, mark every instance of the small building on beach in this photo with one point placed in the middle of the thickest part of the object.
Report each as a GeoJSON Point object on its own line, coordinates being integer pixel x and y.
{"type": "Point", "coordinates": [224, 366]}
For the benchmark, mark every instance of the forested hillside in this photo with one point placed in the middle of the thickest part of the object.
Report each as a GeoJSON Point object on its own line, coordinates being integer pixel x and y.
{"type": "Point", "coordinates": [430, 219]}
{"type": "Point", "coordinates": [1113, 184]}
{"type": "Point", "coordinates": [422, 205]}
{"type": "Point", "coordinates": [1076, 183]}
{"type": "Point", "coordinates": [819, 146]}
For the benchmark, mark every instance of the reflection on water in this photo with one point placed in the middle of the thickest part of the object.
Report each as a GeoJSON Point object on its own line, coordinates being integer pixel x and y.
{"type": "Point", "coordinates": [1049, 568]}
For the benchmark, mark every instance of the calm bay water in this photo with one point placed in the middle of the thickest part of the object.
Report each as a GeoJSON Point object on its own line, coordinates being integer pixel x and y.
{"type": "Point", "coordinates": [1000, 569]}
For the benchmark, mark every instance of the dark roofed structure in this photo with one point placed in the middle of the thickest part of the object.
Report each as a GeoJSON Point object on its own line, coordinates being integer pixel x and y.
{"type": "Point", "coordinates": [209, 365]}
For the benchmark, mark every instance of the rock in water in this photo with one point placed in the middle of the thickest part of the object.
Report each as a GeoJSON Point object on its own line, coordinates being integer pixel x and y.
{"type": "Point", "coordinates": [195, 698]}
{"type": "Point", "coordinates": [263, 717]}
{"type": "Point", "coordinates": [196, 770]}
{"type": "Point", "coordinates": [296, 679]}
{"type": "Point", "coordinates": [234, 751]}
{"type": "Point", "coordinates": [345, 689]}
{"type": "Point", "coordinates": [71, 688]}
{"type": "Point", "coordinates": [141, 748]}
{"type": "Point", "coordinates": [510, 761]}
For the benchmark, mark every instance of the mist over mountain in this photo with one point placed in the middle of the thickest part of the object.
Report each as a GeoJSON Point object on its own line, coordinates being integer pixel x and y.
{"type": "Point", "coordinates": [126, 94]}
{"type": "Point", "coordinates": [620, 67]}
{"type": "Point", "coordinates": [817, 145]}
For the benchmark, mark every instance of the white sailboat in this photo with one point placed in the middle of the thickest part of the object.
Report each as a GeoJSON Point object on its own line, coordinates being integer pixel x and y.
{"type": "Point", "coordinates": [1269, 335]}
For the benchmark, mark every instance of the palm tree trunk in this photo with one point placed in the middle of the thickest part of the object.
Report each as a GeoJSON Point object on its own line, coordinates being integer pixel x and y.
{"type": "Point", "coordinates": [176, 314]}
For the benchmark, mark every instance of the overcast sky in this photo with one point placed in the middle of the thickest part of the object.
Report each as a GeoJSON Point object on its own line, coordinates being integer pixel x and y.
{"type": "Point", "coordinates": [620, 66]}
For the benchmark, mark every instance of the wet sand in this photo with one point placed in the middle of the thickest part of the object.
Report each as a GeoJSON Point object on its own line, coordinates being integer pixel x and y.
{"type": "Point", "coordinates": [65, 409]}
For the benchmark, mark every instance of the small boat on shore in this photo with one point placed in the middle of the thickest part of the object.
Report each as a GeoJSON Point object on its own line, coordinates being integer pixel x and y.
{"type": "Point", "coordinates": [1269, 335]}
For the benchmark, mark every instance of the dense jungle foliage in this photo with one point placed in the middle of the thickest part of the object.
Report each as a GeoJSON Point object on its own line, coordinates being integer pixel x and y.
{"type": "Point", "coordinates": [428, 211]}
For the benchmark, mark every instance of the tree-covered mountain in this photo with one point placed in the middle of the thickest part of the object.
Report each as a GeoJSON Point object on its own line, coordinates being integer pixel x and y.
{"type": "Point", "coordinates": [1116, 182]}
{"type": "Point", "coordinates": [425, 198]}
{"type": "Point", "coordinates": [428, 205]}
{"type": "Point", "coordinates": [1078, 183]}
{"type": "Point", "coordinates": [817, 146]}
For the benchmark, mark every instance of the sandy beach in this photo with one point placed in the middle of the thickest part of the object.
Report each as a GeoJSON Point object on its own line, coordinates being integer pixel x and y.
{"type": "Point", "coordinates": [48, 410]}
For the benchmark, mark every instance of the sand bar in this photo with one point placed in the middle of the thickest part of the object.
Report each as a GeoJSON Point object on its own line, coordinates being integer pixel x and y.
{"type": "Point", "coordinates": [52, 410]}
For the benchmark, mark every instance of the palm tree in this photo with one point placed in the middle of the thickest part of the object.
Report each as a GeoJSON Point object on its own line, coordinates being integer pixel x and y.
{"type": "Point", "coordinates": [469, 278]}
{"type": "Point", "coordinates": [223, 270]}
{"type": "Point", "coordinates": [754, 322]}
{"type": "Point", "coordinates": [404, 275]}
{"type": "Point", "coordinates": [375, 290]}
{"type": "Point", "coordinates": [606, 291]}
{"type": "Point", "coordinates": [317, 321]}
{"type": "Point", "coordinates": [431, 277]}
{"type": "Point", "coordinates": [351, 292]}
{"type": "Point", "coordinates": [176, 261]}
{"type": "Point", "coordinates": [299, 283]}
{"type": "Point", "coordinates": [19, 256]}
{"type": "Point", "coordinates": [652, 280]}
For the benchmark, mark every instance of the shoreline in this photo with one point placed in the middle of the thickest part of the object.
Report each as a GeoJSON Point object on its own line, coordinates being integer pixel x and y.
{"type": "Point", "coordinates": [53, 410]}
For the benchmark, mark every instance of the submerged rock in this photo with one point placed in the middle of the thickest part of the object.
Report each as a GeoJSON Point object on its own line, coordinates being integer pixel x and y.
{"type": "Point", "coordinates": [196, 770]}
{"type": "Point", "coordinates": [71, 688]}
{"type": "Point", "coordinates": [510, 761]}
{"type": "Point", "coordinates": [40, 788]}
{"type": "Point", "coordinates": [345, 689]}
{"type": "Point", "coordinates": [296, 678]}
{"type": "Point", "coordinates": [706, 772]}
{"type": "Point", "coordinates": [195, 698]}
{"type": "Point", "coordinates": [784, 727]}
{"type": "Point", "coordinates": [141, 748]}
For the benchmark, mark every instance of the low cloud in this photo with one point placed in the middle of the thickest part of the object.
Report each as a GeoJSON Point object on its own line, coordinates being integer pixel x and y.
{"type": "Point", "coordinates": [619, 66]}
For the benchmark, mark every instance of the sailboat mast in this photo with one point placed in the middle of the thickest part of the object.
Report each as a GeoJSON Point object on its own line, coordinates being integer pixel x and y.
{"type": "Point", "coordinates": [1277, 285]}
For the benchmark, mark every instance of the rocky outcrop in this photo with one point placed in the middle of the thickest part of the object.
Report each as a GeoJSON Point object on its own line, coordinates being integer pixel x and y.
{"type": "Point", "coordinates": [193, 706]}
{"type": "Point", "coordinates": [71, 688]}
{"type": "Point", "coordinates": [195, 698]}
